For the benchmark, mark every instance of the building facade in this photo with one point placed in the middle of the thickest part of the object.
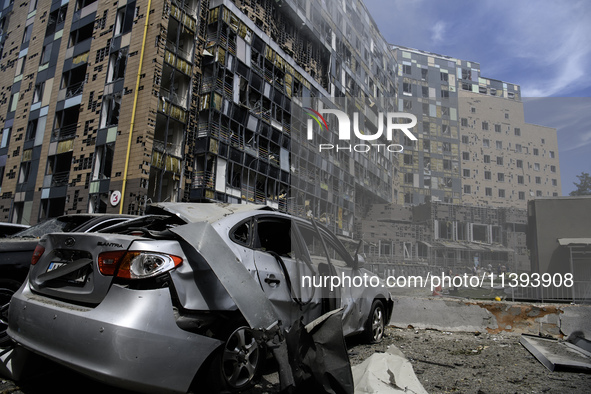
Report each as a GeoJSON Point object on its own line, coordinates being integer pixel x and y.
{"type": "Point", "coordinates": [505, 161]}
{"type": "Point", "coordinates": [475, 146]}
{"type": "Point", "coordinates": [446, 235]}
{"type": "Point", "coordinates": [108, 106]}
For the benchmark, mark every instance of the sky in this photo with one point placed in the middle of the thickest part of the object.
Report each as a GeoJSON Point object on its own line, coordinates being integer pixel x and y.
{"type": "Point", "coordinates": [542, 45]}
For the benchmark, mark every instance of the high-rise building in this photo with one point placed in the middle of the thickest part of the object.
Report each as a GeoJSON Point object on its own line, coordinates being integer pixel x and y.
{"type": "Point", "coordinates": [108, 106]}
{"type": "Point", "coordinates": [474, 146]}
{"type": "Point", "coordinates": [504, 160]}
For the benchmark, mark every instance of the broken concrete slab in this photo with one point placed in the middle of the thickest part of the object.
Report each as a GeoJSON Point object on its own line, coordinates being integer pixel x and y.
{"type": "Point", "coordinates": [576, 318]}
{"type": "Point", "coordinates": [441, 314]}
{"type": "Point", "coordinates": [384, 373]}
{"type": "Point", "coordinates": [557, 355]}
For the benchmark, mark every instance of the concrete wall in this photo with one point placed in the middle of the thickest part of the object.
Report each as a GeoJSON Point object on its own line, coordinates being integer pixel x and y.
{"type": "Point", "coordinates": [557, 320]}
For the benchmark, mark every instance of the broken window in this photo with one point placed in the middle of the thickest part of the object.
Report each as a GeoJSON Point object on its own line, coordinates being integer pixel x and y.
{"type": "Point", "coordinates": [445, 229]}
{"type": "Point", "coordinates": [27, 33]}
{"type": "Point", "coordinates": [25, 170]}
{"type": "Point", "coordinates": [486, 159]}
{"type": "Point", "coordinates": [488, 192]}
{"type": "Point", "coordinates": [82, 34]}
{"type": "Point", "coordinates": [31, 130]}
{"type": "Point", "coordinates": [117, 63]}
{"type": "Point", "coordinates": [467, 189]}
{"type": "Point", "coordinates": [46, 54]}
{"type": "Point", "coordinates": [56, 18]}
{"type": "Point", "coordinates": [502, 193]}
{"type": "Point", "coordinates": [124, 19]}
{"type": "Point", "coordinates": [103, 161]}
{"type": "Point", "coordinates": [242, 233]}
{"type": "Point", "coordinates": [519, 163]}
{"type": "Point", "coordinates": [110, 111]}
{"type": "Point", "coordinates": [479, 233]}
{"type": "Point", "coordinates": [501, 177]}
{"type": "Point", "coordinates": [520, 179]}
{"type": "Point", "coordinates": [38, 92]}
{"type": "Point", "coordinates": [487, 175]}
{"type": "Point", "coordinates": [444, 77]}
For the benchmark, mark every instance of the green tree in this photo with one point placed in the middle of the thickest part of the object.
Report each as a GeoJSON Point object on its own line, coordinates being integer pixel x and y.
{"type": "Point", "coordinates": [584, 186]}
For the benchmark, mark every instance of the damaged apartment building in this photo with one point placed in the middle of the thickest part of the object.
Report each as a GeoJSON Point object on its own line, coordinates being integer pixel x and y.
{"type": "Point", "coordinates": [474, 145]}
{"type": "Point", "coordinates": [108, 106]}
{"type": "Point", "coordinates": [450, 236]}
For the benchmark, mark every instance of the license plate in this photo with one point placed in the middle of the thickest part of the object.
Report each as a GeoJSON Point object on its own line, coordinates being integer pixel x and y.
{"type": "Point", "coordinates": [54, 265]}
{"type": "Point", "coordinates": [78, 276]}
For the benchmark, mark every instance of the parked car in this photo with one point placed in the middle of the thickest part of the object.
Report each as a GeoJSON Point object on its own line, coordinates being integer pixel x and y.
{"type": "Point", "coordinates": [8, 229]}
{"type": "Point", "coordinates": [16, 252]}
{"type": "Point", "coordinates": [195, 288]}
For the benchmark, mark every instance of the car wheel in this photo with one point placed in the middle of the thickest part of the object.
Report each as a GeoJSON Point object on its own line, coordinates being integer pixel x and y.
{"type": "Point", "coordinates": [241, 359]}
{"type": "Point", "coordinates": [7, 288]}
{"type": "Point", "coordinates": [376, 322]}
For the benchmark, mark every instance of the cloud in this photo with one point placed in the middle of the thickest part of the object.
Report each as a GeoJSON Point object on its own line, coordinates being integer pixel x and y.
{"type": "Point", "coordinates": [547, 45]}
{"type": "Point", "coordinates": [438, 31]}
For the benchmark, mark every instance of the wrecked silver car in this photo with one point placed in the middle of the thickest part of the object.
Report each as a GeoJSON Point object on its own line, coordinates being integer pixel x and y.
{"type": "Point", "coordinates": [193, 290]}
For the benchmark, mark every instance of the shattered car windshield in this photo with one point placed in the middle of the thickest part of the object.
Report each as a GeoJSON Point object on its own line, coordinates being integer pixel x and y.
{"type": "Point", "coordinates": [54, 225]}
{"type": "Point", "coordinates": [148, 222]}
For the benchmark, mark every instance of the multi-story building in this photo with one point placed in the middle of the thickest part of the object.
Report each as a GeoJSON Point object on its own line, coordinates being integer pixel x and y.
{"type": "Point", "coordinates": [95, 104]}
{"type": "Point", "coordinates": [451, 236]}
{"type": "Point", "coordinates": [107, 106]}
{"type": "Point", "coordinates": [474, 146]}
{"type": "Point", "coordinates": [504, 161]}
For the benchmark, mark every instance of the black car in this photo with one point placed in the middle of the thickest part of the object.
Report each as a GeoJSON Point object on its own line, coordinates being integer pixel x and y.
{"type": "Point", "coordinates": [16, 251]}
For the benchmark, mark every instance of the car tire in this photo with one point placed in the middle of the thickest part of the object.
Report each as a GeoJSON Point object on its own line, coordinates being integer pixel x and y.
{"type": "Point", "coordinates": [237, 363]}
{"type": "Point", "coordinates": [376, 322]}
{"type": "Point", "coordinates": [7, 288]}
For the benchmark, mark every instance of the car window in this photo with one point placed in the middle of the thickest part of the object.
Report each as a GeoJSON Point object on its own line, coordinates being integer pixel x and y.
{"type": "Point", "coordinates": [274, 235]}
{"type": "Point", "coordinates": [337, 256]}
{"type": "Point", "coordinates": [242, 233]}
{"type": "Point", "coordinates": [313, 244]}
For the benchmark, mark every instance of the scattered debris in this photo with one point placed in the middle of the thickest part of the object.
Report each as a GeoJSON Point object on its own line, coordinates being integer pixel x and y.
{"type": "Point", "coordinates": [557, 355]}
{"type": "Point", "coordinates": [388, 372]}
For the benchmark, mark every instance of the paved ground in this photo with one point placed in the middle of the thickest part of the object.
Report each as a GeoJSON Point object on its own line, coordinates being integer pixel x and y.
{"type": "Point", "coordinates": [444, 362]}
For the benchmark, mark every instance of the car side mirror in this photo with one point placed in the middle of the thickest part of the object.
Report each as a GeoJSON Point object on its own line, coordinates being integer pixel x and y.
{"type": "Point", "coordinates": [359, 259]}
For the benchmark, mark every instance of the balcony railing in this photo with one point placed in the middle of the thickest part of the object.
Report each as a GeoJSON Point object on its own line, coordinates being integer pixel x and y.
{"type": "Point", "coordinates": [64, 133]}
{"type": "Point", "coordinates": [170, 149]}
{"type": "Point", "coordinates": [75, 89]}
{"type": "Point", "coordinates": [60, 179]}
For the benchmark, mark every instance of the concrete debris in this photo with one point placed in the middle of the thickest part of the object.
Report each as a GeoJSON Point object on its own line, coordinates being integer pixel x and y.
{"type": "Point", "coordinates": [557, 355]}
{"type": "Point", "coordinates": [384, 373]}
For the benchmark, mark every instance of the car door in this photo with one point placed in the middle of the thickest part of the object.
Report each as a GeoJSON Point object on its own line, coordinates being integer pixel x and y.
{"type": "Point", "coordinates": [280, 266]}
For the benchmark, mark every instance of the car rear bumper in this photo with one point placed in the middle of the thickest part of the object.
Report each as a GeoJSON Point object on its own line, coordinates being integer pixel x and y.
{"type": "Point", "coordinates": [130, 340]}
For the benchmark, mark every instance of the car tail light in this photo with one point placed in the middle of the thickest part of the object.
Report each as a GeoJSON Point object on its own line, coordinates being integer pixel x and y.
{"type": "Point", "coordinates": [108, 262]}
{"type": "Point", "coordinates": [37, 253]}
{"type": "Point", "coordinates": [139, 265]}
{"type": "Point", "coordinates": [136, 265]}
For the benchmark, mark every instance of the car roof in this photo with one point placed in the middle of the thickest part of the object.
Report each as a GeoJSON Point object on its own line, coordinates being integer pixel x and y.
{"type": "Point", "coordinates": [204, 212]}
